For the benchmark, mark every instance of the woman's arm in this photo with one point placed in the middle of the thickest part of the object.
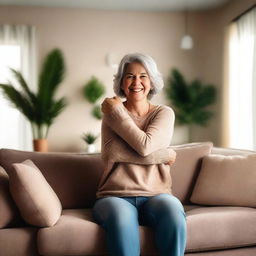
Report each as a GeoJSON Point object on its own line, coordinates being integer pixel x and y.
{"type": "Point", "coordinates": [157, 136]}
{"type": "Point", "coordinates": [115, 149]}
{"type": "Point", "coordinates": [125, 155]}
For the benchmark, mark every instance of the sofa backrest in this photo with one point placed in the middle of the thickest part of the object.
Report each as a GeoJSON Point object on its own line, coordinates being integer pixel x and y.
{"type": "Point", "coordinates": [74, 177]}
{"type": "Point", "coordinates": [231, 151]}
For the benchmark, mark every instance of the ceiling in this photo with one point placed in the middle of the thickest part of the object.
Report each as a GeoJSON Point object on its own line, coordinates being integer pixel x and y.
{"type": "Point", "coordinates": [136, 5]}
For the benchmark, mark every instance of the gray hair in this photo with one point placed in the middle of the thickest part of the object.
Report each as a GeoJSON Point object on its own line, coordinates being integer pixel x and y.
{"type": "Point", "coordinates": [149, 64]}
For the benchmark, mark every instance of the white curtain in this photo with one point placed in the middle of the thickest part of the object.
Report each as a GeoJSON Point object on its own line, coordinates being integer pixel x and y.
{"type": "Point", "coordinates": [242, 82]}
{"type": "Point", "coordinates": [25, 37]}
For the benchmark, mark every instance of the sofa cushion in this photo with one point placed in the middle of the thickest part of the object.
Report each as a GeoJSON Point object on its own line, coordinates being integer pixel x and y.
{"type": "Point", "coordinates": [77, 234]}
{"type": "Point", "coordinates": [226, 180]}
{"type": "Point", "coordinates": [223, 227]}
{"type": "Point", "coordinates": [74, 177]}
{"type": "Point", "coordinates": [245, 251]}
{"type": "Point", "coordinates": [209, 228]}
{"type": "Point", "coordinates": [18, 241]}
{"type": "Point", "coordinates": [9, 214]}
{"type": "Point", "coordinates": [36, 200]}
{"type": "Point", "coordinates": [186, 168]}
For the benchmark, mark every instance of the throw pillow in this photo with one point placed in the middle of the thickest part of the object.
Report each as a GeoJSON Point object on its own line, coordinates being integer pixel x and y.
{"type": "Point", "coordinates": [36, 200]}
{"type": "Point", "coordinates": [226, 180]}
{"type": "Point", "coordinates": [9, 212]}
{"type": "Point", "coordinates": [185, 169]}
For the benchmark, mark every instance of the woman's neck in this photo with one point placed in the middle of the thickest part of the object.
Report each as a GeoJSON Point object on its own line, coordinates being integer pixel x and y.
{"type": "Point", "coordinates": [139, 108]}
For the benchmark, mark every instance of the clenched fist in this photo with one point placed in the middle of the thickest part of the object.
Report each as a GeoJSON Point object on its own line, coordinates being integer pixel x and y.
{"type": "Point", "coordinates": [108, 104]}
{"type": "Point", "coordinates": [172, 159]}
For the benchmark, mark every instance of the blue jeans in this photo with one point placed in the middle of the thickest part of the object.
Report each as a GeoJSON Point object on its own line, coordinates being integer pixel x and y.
{"type": "Point", "coordinates": [120, 217]}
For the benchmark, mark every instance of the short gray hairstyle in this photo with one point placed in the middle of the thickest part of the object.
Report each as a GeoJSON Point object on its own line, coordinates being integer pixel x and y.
{"type": "Point", "coordinates": [149, 64]}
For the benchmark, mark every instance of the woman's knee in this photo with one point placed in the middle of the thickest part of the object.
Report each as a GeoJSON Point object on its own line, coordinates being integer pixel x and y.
{"type": "Point", "coordinates": [114, 210]}
{"type": "Point", "coordinates": [164, 206]}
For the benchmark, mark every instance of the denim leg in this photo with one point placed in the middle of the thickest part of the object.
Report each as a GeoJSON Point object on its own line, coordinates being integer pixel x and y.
{"type": "Point", "coordinates": [165, 214]}
{"type": "Point", "coordinates": [119, 219]}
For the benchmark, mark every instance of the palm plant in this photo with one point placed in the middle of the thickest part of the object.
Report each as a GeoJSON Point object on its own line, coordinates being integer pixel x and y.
{"type": "Point", "coordinates": [39, 108]}
{"type": "Point", "coordinates": [190, 100]}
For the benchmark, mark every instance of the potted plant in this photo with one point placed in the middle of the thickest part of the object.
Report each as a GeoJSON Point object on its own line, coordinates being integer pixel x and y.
{"type": "Point", "coordinates": [190, 100]}
{"type": "Point", "coordinates": [93, 91]}
{"type": "Point", "coordinates": [40, 108]}
{"type": "Point", "coordinates": [90, 138]}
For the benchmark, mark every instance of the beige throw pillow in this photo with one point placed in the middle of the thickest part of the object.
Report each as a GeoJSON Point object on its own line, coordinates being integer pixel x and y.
{"type": "Point", "coordinates": [36, 200]}
{"type": "Point", "coordinates": [186, 168]}
{"type": "Point", "coordinates": [226, 180]}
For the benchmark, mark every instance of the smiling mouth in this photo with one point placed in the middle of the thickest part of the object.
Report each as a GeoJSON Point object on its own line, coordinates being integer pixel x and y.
{"type": "Point", "coordinates": [136, 90]}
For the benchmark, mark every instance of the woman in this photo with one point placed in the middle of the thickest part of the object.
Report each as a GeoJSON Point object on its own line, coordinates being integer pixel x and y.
{"type": "Point", "coordinates": [135, 187]}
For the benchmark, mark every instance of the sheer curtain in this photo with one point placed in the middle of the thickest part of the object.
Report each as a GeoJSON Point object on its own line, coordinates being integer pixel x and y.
{"type": "Point", "coordinates": [24, 37]}
{"type": "Point", "coordinates": [241, 83]}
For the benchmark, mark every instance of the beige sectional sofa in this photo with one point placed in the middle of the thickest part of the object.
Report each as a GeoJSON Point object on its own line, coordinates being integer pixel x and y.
{"type": "Point", "coordinates": [216, 186]}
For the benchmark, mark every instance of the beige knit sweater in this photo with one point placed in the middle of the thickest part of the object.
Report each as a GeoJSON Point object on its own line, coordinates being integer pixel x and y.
{"type": "Point", "coordinates": [134, 152]}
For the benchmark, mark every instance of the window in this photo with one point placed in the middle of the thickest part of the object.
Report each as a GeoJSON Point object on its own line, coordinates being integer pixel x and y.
{"type": "Point", "coordinates": [18, 51]}
{"type": "Point", "coordinates": [242, 82]}
{"type": "Point", "coordinates": [10, 117]}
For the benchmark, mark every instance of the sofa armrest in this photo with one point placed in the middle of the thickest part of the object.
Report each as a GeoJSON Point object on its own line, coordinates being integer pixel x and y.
{"type": "Point", "coordinates": [8, 211]}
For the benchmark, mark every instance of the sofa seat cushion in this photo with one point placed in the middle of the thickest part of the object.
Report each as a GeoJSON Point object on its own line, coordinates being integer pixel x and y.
{"type": "Point", "coordinates": [209, 228]}
{"type": "Point", "coordinates": [76, 233]}
{"type": "Point", "coordinates": [18, 241]}
{"type": "Point", "coordinates": [213, 228]}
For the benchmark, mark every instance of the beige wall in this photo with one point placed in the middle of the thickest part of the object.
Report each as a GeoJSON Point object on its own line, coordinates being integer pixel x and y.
{"type": "Point", "coordinates": [87, 36]}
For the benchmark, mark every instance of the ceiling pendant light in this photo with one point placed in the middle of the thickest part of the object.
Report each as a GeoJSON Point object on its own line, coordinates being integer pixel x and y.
{"type": "Point", "coordinates": [186, 42]}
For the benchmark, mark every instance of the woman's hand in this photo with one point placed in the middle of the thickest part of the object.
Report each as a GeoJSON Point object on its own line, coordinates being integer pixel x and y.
{"type": "Point", "coordinates": [108, 104]}
{"type": "Point", "coordinates": [172, 159]}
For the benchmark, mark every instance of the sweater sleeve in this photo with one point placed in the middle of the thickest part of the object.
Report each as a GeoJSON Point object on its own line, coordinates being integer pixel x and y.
{"type": "Point", "coordinates": [115, 149]}
{"type": "Point", "coordinates": [157, 135]}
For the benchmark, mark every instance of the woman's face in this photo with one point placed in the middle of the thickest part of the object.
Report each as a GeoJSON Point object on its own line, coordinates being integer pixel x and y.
{"type": "Point", "coordinates": [136, 83]}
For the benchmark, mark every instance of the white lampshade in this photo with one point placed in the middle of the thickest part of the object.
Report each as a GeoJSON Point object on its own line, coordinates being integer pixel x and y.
{"type": "Point", "coordinates": [186, 42]}
{"type": "Point", "coordinates": [111, 60]}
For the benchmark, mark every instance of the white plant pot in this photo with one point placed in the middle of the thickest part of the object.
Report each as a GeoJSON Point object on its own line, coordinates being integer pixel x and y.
{"type": "Point", "coordinates": [91, 148]}
{"type": "Point", "coordinates": [180, 135]}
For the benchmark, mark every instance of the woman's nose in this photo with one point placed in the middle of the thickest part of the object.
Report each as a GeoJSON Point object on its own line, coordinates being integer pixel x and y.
{"type": "Point", "coordinates": [137, 80]}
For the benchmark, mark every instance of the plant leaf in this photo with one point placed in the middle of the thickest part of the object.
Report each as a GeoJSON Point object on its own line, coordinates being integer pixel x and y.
{"type": "Point", "coordinates": [50, 78]}
{"type": "Point", "coordinates": [18, 100]}
{"type": "Point", "coordinates": [23, 84]}
{"type": "Point", "coordinates": [93, 90]}
{"type": "Point", "coordinates": [190, 100]}
{"type": "Point", "coordinates": [97, 113]}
